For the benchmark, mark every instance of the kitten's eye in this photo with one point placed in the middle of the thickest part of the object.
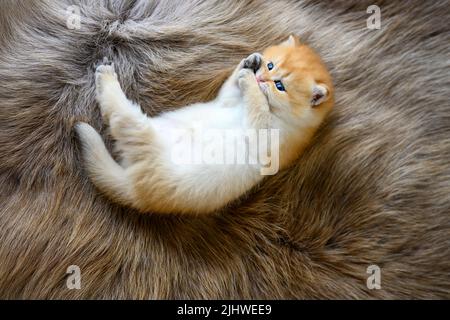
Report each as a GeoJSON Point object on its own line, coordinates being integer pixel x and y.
{"type": "Point", "coordinates": [270, 66]}
{"type": "Point", "coordinates": [279, 85]}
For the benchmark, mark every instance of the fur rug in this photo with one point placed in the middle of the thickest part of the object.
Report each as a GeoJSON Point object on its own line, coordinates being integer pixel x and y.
{"type": "Point", "coordinates": [374, 188]}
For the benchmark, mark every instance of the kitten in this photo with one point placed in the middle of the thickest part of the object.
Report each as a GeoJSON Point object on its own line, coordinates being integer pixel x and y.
{"type": "Point", "coordinates": [287, 90]}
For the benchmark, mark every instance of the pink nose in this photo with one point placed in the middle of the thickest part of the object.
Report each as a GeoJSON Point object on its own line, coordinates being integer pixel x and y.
{"type": "Point", "coordinates": [260, 79]}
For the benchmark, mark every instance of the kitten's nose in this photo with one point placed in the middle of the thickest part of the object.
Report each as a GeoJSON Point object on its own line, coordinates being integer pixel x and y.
{"type": "Point", "coordinates": [260, 79]}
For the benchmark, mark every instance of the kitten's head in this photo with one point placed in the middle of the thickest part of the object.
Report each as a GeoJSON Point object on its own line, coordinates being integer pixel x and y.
{"type": "Point", "coordinates": [295, 81]}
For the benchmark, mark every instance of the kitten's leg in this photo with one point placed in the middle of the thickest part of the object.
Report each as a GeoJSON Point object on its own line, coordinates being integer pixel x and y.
{"type": "Point", "coordinates": [258, 111]}
{"type": "Point", "coordinates": [231, 85]}
{"type": "Point", "coordinates": [111, 98]}
{"type": "Point", "coordinates": [258, 116]}
{"type": "Point", "coordinates": [129, 126]}
{"type": "Point", "coordinates": [106, 174]}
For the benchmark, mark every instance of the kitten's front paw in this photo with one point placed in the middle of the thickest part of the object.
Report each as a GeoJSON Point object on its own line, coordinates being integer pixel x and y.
{"type": "Point", "coordinates": [253, 62]}
{"type": "Point", "coordinates": [245, 78]}
{"type": "Point", "coordinates": [104, 74]}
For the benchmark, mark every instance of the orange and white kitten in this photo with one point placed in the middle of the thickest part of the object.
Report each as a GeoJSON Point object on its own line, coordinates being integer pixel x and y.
{"type": "Point", "coordinates": [287, 89]}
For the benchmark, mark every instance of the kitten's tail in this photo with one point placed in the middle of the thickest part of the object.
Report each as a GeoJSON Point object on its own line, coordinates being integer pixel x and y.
{"type": "Point", "coordinates": [104, 172]}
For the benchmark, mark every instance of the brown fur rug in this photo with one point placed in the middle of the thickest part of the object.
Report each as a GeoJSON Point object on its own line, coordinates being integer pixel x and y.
{"type": "Point", "coordinates": [374, 188]}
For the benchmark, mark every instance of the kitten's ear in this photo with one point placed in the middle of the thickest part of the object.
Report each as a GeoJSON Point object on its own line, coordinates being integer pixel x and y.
{"type": "Point", "coordinates": [292, 41]}
{"type": "Point", "coordinates": [320, 94]}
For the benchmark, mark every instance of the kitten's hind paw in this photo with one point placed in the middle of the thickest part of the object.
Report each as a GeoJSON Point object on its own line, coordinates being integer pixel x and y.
{"type": "Point", "coordinates": [105, 70]}
{"type": "Point", "coordinates": [104, 61]}
{"type": "Point", "coordinates": [104, 73]}
{"type": "Point", "coordinates": [253, 62]}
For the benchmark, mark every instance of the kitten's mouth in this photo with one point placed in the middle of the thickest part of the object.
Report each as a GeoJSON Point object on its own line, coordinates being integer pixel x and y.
{"type": "Point", "coordinates": [261, 83]}
{"type": "Point", "coordinates": [263, 87]}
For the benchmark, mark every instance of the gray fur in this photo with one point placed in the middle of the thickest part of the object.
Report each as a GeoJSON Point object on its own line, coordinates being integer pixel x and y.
{"type": "Point", "coordinates": [374, 188]}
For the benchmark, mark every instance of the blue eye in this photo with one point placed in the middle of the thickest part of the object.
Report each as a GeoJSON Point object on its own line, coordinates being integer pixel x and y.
{"type": "Point", "coordinates": [270, 66]}
{"type": "Point", "coordinates": [279, 85]}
